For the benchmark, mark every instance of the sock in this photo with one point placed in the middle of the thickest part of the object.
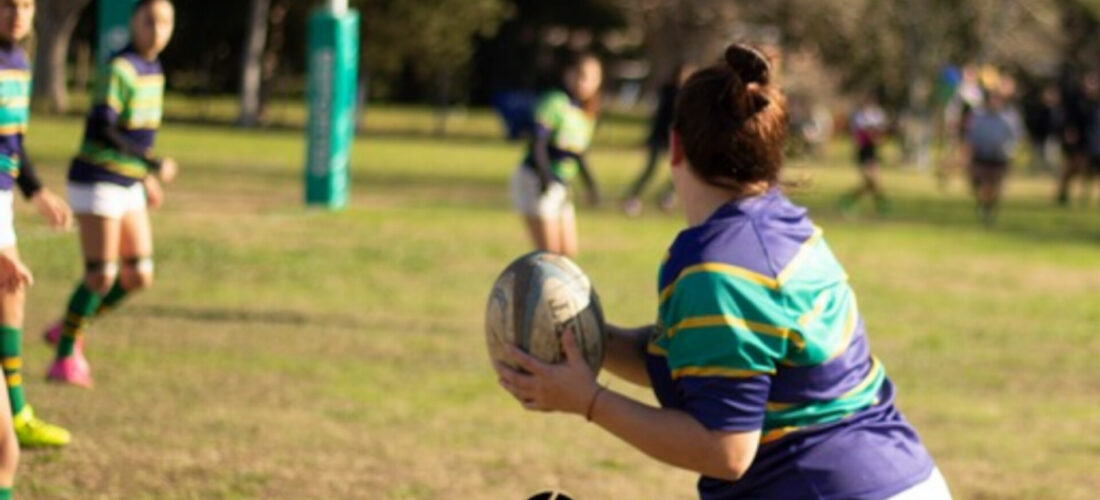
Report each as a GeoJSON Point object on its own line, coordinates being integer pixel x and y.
{"type": "Point", "coordinates": [11, 343]}
{"type": "Point", "coordinates": [82, 307]}
{"type": "Point", "coordinates": [112, 299]}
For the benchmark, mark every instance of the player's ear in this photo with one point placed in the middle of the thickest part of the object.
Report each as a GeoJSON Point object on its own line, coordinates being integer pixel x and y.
{"type": "Point", "coordinates": [676, 149]}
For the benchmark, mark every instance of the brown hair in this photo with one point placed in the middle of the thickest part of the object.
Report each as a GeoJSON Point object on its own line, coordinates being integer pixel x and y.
{"type": "Point", "coordinates": [732, 122]}
{"type": "Point", "coordinates": [140, 4]}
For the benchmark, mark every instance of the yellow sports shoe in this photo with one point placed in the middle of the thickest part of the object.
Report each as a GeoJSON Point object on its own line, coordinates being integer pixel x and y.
{"type": "Point", "coordinates": [32, 432]}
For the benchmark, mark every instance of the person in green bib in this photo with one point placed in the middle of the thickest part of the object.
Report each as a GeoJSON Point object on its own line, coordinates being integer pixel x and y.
{"type": "Point", "coordinates": [565, 119]}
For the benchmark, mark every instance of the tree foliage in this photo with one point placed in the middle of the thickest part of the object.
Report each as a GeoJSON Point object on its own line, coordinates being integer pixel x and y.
{"type": "Point", "coordinates": [426, 37]}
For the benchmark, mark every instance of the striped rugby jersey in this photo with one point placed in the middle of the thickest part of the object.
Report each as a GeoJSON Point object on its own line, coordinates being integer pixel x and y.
{"type": "Point", "coordinates": [569, 129]}
{"type": "Point", "coordinates": [758, 329]}
{"type": "Point", "coordinates": [129, 95]}
{"type": "Point", "coordinates": [15, 93]}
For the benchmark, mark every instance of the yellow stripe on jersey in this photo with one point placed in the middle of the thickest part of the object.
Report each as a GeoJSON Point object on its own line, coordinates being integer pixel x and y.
{"type": "Point", "coordinates": [800, 256]}
{"type": "Point", "coordinates": [727, 320]}
{"type": "Point", "coordinates": [20, 75]}
{"type": "Point", "coordinates": [715, 371]}
{"type": "Point", "coordinates": [18, 128]}
{"type": "Point", "coordinates": [850, 325]}
{"type": "Point", "coordinates": [752, 276]}
{"type": "Point", "coordinates": [715, 267]}
{"type": "Point", "coordinates": [15, 102]}
{"type": "Point", "coordinates": [156, 80]}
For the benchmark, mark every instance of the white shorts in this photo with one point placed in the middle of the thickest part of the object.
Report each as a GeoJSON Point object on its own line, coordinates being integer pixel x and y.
{"type": "Point", "coordinates": [7, 219]}
{"type": "Point", "coordinates": [528, 199]}
{"type": "Point", "coordinates": [106, 199]}
{"type": "Point", "coordinates": [933, 488]}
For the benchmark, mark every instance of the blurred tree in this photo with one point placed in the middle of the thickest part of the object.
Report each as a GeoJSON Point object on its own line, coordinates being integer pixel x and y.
{"type": "Point", "coordinates": [522, 54]}
{"type": "Point", "coordinates": [255, 37]}
{"type": "Point", "coordinates": [426, 39]}
{"type": "Point", "coordinates": [54, 25]}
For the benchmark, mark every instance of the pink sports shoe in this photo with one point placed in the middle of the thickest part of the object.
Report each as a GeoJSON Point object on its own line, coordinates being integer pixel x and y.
{"type": "Point", "coordinates": [72, 370]}
{"type": "Point", "coordinates": [52, 335]}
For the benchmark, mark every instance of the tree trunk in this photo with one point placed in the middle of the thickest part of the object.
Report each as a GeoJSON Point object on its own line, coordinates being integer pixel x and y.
{"type": "Point", "coordinates": [54, 23]}
{"type": "Point", "coordinates": [252, 63]}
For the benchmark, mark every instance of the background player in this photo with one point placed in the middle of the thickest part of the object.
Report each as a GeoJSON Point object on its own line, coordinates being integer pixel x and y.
{"type": "Point", "coordinates": [565, 120]}
{"type": "Point", "coordinates": [111, 180]}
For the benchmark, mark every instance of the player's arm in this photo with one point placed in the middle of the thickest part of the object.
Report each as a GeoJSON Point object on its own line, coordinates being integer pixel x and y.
{"type": "Point", "coordinates": [671, 436]}
{"type": "Point", "coordinates": [675, 437]}
{"type": "Point", "coordinates": [589, 180]}
{"type": "Point", "coordinates": [625, 353]}
{"type": "Point", "coordinates": [105, 129]}
{"type": "Point", "coordinates": [540, 154]}
{"type": "Point", "coordinates": [51, 206]}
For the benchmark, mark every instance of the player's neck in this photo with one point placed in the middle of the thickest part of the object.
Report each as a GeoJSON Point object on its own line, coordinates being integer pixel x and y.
{"type": "Point", "coordinates": [701, 200]}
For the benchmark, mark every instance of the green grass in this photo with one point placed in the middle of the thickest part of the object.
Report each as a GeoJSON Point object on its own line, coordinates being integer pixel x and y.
{"type": "Point", "coordinates": [292, 353]}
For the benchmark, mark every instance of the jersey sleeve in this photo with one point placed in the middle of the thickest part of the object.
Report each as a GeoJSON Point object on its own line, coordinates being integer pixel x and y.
{"type": "Point", "coordinates": [725, 337]}
{"type": "Point", "coordinates": [550, 113]}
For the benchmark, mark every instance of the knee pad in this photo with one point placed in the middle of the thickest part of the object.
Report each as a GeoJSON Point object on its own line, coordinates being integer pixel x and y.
{"type": "Point", "coordinates": [106, 270]}
{"type": "Point", "coordinates": [141, 265]}
{"type": "Point", "coordinates": [103, 268]}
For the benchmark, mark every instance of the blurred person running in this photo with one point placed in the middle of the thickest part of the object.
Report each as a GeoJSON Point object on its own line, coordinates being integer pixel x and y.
{"type": "Point", "coordinates": [991, 139]}
{"type": "Point", "coordinates": [868, 126]}
{"type": "Point", "coordinates": [112, 179]}
{"type": "Point", "coordinates": [16, 170]}
{"type": "Point", "coordinates": [1079, 111]}
{"type": "Point", "coordinates": [657, 144]}
{"type": "Point", "coordinates": [1041, 116]}
{"type": "Point", "coordinates": [565, 120]}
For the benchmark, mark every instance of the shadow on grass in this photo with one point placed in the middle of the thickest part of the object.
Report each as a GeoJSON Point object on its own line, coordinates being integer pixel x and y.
{"type": "Point", "coordinates": [251, 316]}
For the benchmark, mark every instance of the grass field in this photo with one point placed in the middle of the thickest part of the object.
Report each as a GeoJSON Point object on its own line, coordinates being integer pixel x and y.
{"type": "Point", "coordinates": [288, 353]}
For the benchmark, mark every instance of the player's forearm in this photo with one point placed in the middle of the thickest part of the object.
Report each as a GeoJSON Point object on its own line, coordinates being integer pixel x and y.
{"type": "Point", "coordinates": [110, 134]}
{"type": "Point", "coordinates": [625, 354]}
{"type": "Point", "coordinates": [674, 437]}
{"type": "Point", "coordinates": [586, 174]}
{"type": "Point", "coordinates": [541, 155]}
{"type": "Point", "coordinates": [28, 181]}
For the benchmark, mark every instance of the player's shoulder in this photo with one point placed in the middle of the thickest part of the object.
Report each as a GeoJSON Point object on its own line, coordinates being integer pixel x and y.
{"type": "Point", "coordinates": [123, 64]}
{"type": "Point", "coordinates": [554, 98]}
{"type": "Point", "coordinates": [755, 238]}
{"type": "Point", "coordinates": [14, 59]}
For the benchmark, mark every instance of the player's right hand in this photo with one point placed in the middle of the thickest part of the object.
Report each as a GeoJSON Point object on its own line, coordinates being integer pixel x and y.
{"type": "Point", "coordinates": [154, 194]}
{"type": "Point", "coordinates": [168, 170]}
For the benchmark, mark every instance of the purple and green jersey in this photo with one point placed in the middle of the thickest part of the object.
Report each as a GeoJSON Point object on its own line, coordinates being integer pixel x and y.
{"type": "Point", "coordinates": [568, 129]}
{"type": "Point", "coordinates": [15, 94]}
{"type": "Point", "coordinates": [122, 125]}
{"type": "Point", "coordinates": [758, 329]}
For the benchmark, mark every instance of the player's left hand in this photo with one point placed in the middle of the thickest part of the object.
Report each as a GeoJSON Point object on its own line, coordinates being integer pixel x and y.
{"type": "Point", "coordinates": [14, 275]}
{"type": "Point", "coordinates": [154, 194]}
{"type": "Point", "coordinates": [53, 209]}
{"type": "Point", "coordinates": [566, 387]}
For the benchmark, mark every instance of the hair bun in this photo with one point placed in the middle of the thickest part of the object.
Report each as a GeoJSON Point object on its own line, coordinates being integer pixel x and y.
{"type": "Point", "coordinates": [750, 64]}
